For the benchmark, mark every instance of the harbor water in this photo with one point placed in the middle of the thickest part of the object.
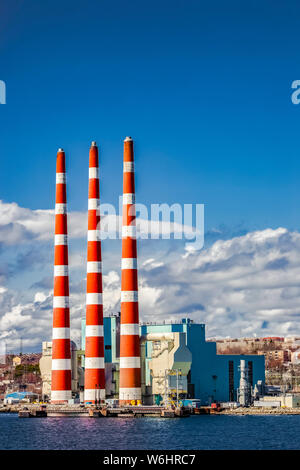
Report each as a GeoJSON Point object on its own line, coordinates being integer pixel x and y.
{"type": "Point", "coordinates": [197, 432]}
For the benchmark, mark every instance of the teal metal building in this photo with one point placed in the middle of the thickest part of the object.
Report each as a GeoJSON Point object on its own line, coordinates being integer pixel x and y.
{"type": "Point", "coordinates": [212, 377]}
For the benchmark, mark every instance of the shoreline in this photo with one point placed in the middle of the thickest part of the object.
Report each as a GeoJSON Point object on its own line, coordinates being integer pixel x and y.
{"type": "Point", "coordinates": [261, 411]}
{"type": "Point", "coordinates": [229, 412]}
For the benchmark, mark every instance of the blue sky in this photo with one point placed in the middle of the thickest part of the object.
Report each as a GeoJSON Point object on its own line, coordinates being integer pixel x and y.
{"type": "Point", "coordinates": [203, 87]}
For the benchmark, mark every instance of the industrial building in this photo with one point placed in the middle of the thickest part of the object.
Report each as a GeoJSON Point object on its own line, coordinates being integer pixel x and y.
{"type": "Point", "coordinates": [17, 397]}
{"type": "Point", "coordinates": [285, 400]}
{"type": "Point", "coordinates": [176, 356]}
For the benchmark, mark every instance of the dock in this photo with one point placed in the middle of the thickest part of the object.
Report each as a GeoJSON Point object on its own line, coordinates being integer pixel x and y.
{"type": "Point", "coordinates": [103, 411]}
{"type": "Point", "coordinates": [33, 413]}
{"type": "Point", "coordinates": [138, 412]}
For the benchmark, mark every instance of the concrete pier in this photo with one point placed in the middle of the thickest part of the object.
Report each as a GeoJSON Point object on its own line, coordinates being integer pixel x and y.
{"type": "Point", "coordinates": [52, 410]}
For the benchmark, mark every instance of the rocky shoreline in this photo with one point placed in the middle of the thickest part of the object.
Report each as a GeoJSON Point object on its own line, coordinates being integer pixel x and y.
{"type": "Point", "coordinates": [260, 411]}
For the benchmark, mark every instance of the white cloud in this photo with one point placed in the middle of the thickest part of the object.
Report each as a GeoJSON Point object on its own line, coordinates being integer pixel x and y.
{"type": "Point", "coordinates": [20, 225]}
{"type": "Point", "coordinates": [249, 282]}
{"type": "Point", "coordinates": [40, 297]}
{"type": "Point", "coordinates": [246, 285]}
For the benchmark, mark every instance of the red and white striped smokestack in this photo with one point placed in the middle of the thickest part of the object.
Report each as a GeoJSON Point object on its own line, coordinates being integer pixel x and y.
{"type": "Point", "coordinates": [61, 349]}
{"type": "Point", "coordinates": [130, 367]}
{"type": "Point", "coordinates": [94, 341]}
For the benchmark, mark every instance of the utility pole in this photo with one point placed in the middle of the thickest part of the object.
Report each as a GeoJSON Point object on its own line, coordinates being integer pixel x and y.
{"type": "Point", "coordinates": [5, 353]}
{"type": "Point", "coordinates": [177, 386]}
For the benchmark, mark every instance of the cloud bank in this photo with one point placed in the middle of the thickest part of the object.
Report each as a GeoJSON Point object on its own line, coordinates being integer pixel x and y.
{"type": "Point", "coordinates": [241, 286]}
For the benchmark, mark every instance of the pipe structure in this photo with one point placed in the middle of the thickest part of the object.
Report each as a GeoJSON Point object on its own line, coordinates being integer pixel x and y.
{"type": "Point", "coordinates": [61, 389]}
{"type": "Point", "coordinates": [94, 343]}
{"type": "Point", "coordinates": [157, 337]}
{"type": "Point", "coordinates": [244, 391]}
{"type": "Point", "coordinates": [130, 362]}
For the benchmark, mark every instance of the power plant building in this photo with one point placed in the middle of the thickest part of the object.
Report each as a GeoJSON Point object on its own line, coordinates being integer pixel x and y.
{"type": "Point", "coordinates": [177, 357]}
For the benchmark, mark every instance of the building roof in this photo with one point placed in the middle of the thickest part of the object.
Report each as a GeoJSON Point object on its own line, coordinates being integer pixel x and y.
{"type": "Point", "coordinates": [20, 395]}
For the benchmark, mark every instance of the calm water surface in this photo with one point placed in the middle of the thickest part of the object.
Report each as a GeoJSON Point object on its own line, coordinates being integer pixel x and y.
{"type": "Point", "coordinates": [196, 432]}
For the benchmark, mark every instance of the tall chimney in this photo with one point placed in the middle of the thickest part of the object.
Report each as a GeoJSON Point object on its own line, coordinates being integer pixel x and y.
{"type": "Point", "coordinates": [130, 368]}
{"type": "Point", "coordinates": [94, 342]}
{"type": "Point", "coordinates": [61, 350]}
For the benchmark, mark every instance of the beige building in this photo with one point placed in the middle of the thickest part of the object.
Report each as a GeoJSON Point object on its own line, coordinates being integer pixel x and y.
{"type": "Point", "coordinates": [46, 368]}
{"type": "Point", "coordinates": [169, 355]}
{"type": "Point", "coordinates": [288, 400]}
{"type": "Point", "coordinates": [281, 355]}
